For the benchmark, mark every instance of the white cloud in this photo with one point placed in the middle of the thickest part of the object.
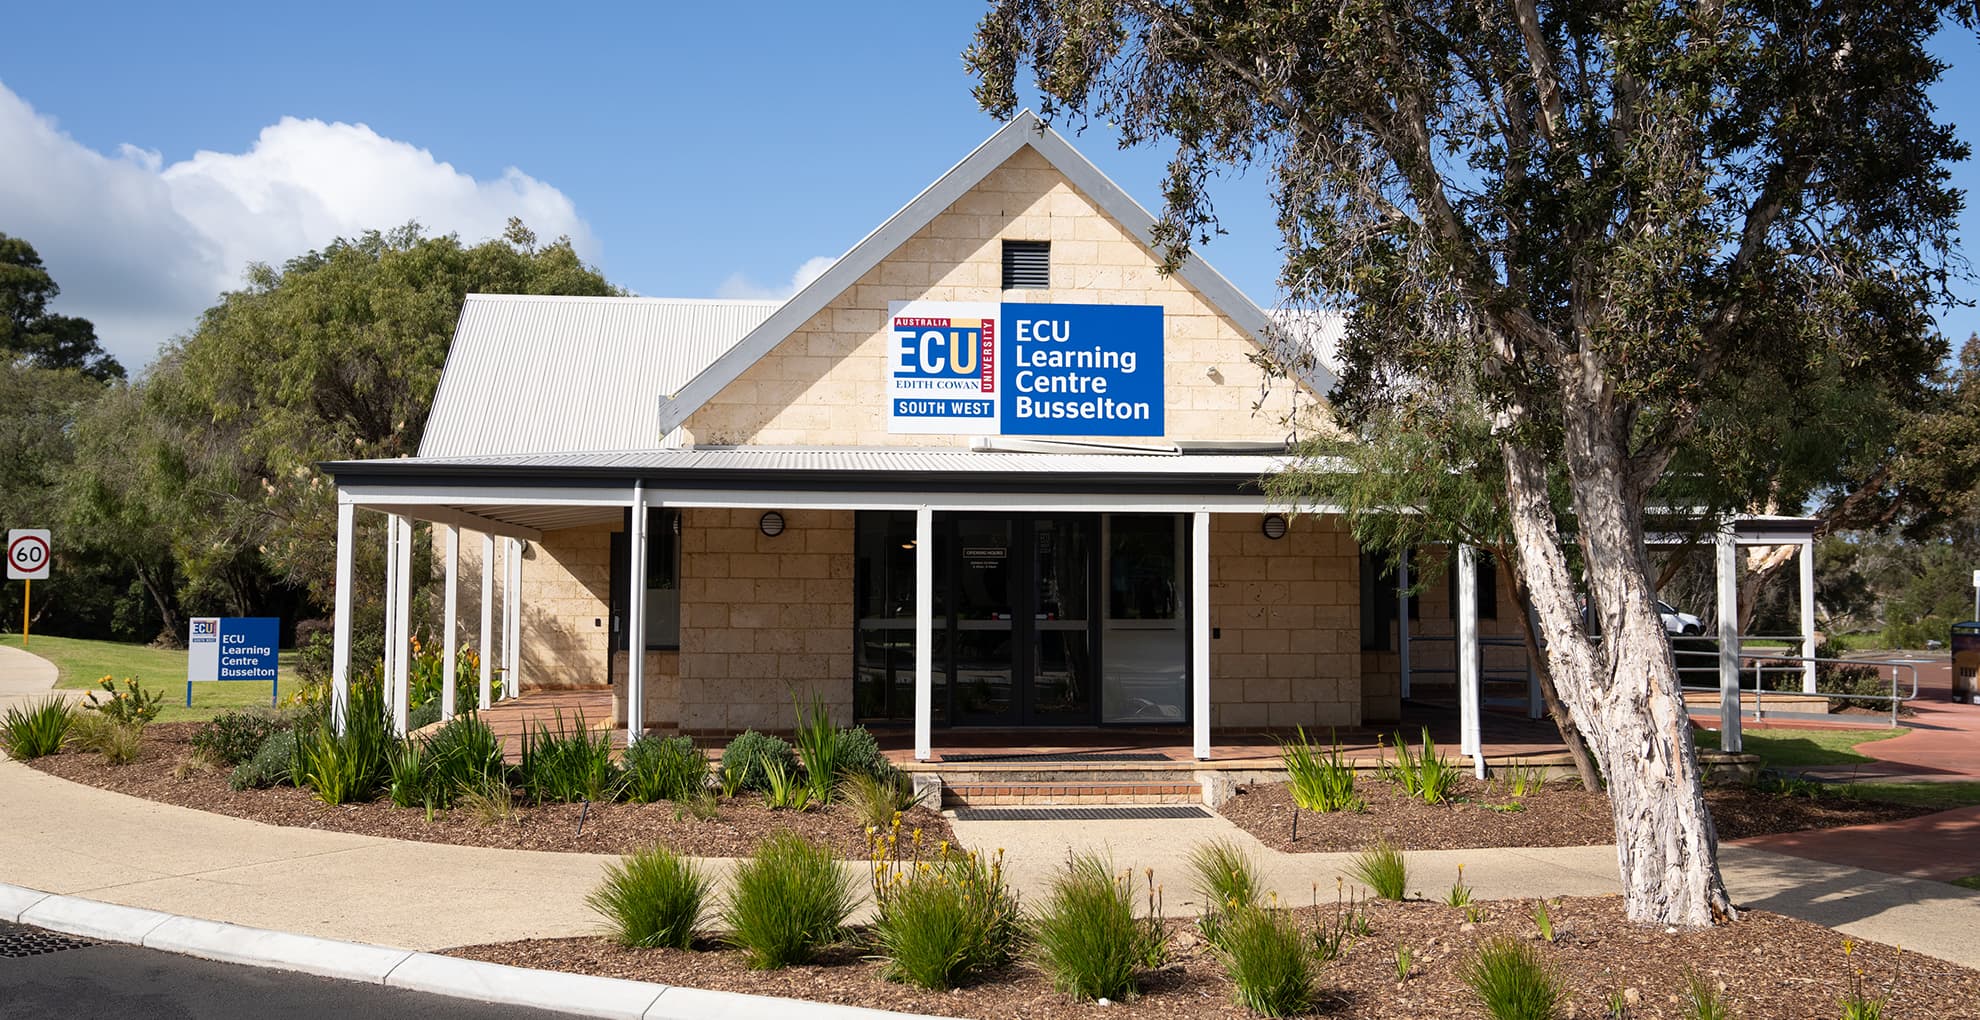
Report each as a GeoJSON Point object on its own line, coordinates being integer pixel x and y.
{"type": "Point", "coordinates": [740, 287]}
{"type": "Point", "coordinates": [141, 247]}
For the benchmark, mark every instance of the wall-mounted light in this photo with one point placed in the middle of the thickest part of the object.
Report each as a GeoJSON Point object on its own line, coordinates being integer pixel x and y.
{"type": "Point", "coordinates": [1274, 526]}
{"type": "Point", "coordinates": [772, 524]}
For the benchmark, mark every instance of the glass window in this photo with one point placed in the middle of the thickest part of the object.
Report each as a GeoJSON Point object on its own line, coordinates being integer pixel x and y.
{"type": "Point", "coordinates": [1144, 673]}
{"type": "Point", "coordinates": [663, 578]}
{"type": "Point", "coordinates": [883, 604]}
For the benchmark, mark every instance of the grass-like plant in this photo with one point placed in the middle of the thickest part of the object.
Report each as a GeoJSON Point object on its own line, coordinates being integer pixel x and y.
{"type": "Point", "coordinates": [1523, 781]}
{"type": "Point", "coordinates": [1543, 921]}
{"type": "Point", "coordinates": [785, 789]}
{"type": "Point", "coordinates": [1318, 782]}
{"type": "Point", "coordinates": [568, 765]}
{"type": "Point", "coordinates": [1858, 1004]}
{"type": "Point", "coordinates": [665, 768]}
{"type": "Point", "coordinates": [945, 921]}
{"type": "Point", "coordinates": [37, 728]}
{"type": "Point", "coordinates": [353, 765]}
{"type": "Point", "coordinates": [492, 801]}
{"type": "Point", "coordinates": [1227, 882]}
{"type": "Point", "coordinates": [1460, 894]}
{"type": "Point", "coordinates": [1383, 869]}
{"type": "Point", "coordinates": [1404, 960]}
{"type": "Point", "coordinates": [407, 786]}
{"type": "Point", "coordinates": [1086, 935]}
{"type": "Point", "coordinates": [787, 901]}
{"type": "Point", "coordinates": [1268, 962]}
{"type": "Point", "coordinates": [1512, 981]}
{"type": "Point", "coordinates": [1423, 773]}
{"type": "Point", "coordinates": [820, 747]}
{"type": "Point", "coordinates": [878, 796]}
{"type": "Point", "coordinates": [653, 898]}
{"type": "Point", "coordinates": [464, 754]}
{"type": "Point", "coordinates": [1703, 1000]}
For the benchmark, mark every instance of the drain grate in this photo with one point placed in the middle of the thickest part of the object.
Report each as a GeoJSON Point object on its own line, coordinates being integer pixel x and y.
{"type": "Point", "coordinates": [1072, 756]}
{"type": "Point", "coordinates": [18, 941]}
{"type": "Point", "coordinates": [1076, 814]}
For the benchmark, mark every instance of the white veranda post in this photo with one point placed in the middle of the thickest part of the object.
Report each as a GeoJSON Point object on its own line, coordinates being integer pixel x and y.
{"type": "Point", "coordinates": [1402, 621]}
{"type": "Point", "coordinates": [402, 624]}
{"type": "Point", "coordinates": [924, 633]}
{"type": "Point", "coordinates": [487, 647]}
{"type": "Point", "coordinates": [1199, 631]}
{"type": "Point", "coordinates": [511, 617]}
{"type": "Point", "coordinates": [1470, 741]}
{"type": "Point", "coordinates": [340, 648]}
{"type": "Point", "coordinates": [1726, 564]}
{"type": "Point", "coordinates": [450, 654]}
{"type": "Point", "coordinates": [636, 616]}
{"type": "Point", "coordinates": [1808, 617]}
{"type": "Point", "coordinates": [389, 654]}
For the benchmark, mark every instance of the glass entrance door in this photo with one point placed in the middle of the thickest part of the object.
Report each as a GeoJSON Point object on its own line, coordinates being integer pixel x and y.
{"type": "Point", "coordinates": [983, 564]}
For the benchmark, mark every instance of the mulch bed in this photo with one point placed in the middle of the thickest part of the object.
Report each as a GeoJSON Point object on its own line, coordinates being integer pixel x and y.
{"type": "Point", "coordinates": [1772, 968]}
{"type": "Point", "coordinates": [608, 828]}
{"type": "Point", "coordinates": [1561, 814]}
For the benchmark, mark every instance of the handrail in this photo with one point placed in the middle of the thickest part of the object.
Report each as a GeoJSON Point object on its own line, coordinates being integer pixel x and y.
{"type": "Point", "coordinates": [1765, 662]}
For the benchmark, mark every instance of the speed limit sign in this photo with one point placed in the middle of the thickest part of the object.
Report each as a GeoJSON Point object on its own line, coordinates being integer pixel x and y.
{"type": "Point", "coordinates": [27, 554]}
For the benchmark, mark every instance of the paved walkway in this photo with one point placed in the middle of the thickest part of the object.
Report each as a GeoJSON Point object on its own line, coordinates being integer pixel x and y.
{"type": "Point", "coordinates": [26, 677]}
{"type": "Point", "coordinates": [1944, 742]}
{"type": "Point", "coordinates": [1939, 847]}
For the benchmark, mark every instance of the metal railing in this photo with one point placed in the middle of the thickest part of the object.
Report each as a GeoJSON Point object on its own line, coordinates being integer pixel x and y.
{"type": "Point", "coordinates": [1758, 663]}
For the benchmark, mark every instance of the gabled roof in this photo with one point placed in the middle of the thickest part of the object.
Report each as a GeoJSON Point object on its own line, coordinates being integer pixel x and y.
{"type": "Point", "coordinates": [1023, 130]}
{"type": "Point", "coordinates": [536, 374]}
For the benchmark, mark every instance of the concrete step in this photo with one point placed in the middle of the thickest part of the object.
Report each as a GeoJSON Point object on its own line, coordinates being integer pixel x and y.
{"type": "Point", "coordinates": [1089, 792]}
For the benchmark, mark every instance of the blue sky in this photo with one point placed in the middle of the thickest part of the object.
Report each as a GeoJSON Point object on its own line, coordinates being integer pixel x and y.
{"type": "Point", "coordinates": [691, 149]}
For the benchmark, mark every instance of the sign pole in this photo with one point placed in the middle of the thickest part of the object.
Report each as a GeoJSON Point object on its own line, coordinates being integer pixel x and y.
{"type": "Point", "coordinates": [27, 599]}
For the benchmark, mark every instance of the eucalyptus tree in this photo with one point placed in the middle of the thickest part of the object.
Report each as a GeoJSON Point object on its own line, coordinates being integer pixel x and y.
{"type": "Point", "coordinates": [1599, 216]}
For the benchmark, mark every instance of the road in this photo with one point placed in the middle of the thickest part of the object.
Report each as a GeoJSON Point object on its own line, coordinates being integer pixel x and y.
{"type": "Point", "coordinates": [111, 980]}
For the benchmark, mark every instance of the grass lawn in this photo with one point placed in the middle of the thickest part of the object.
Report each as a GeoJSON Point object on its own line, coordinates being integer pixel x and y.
{"type": "Point", "coordinates": [1944, 796]}
{"type": "Point", "coordinates": [81, 662]}
{"type": "Point", "coordinates": [1785, 748]}
{"type": "Point", "coordinates": [1970, 881]}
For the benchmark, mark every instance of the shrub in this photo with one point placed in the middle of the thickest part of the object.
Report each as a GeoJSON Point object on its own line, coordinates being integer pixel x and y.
{"type": "Point", "coordinates": [490, 802]}
{"type": "Point", "coordinates": [1423, 774]}
{"type": "Point", "coordinates": [1383, 869]}
{"type": "Point", "coordinates": [232, 737]}
{"type": "Point", "coordinates": [1266, 957]}
{"type": "Point", "coordinates": [819, 746]}
{"type": "Point", "coordinates": [1512, 981]}
{"type": "Point", "coordinates": [270, 764]}
{"type": "Point", "coordinates": [942, 924]}
{"type": "Point", "coordinates": [745, 757]}
{"type": "Point", "coordinates": [408, 767]}
{"type": "Point", "coordinates": [652, 898]}
{"type": "Point", "coordinates": [568, 765]}
{"type": "Point", "coordinates": [36, 729]}
{"type": "Point", "coordinates": [1087, 937]}
{"type": "Point", "coordinates": [119, 742]}
{"type": "Point", "coordinates": [419, 717]}
{"type": "Point", "coordinates": [1228, 882]}
{"type": "Point", "coordinates": [877, 797]}
{"type": "Point", "coordinates": [353, 765]}
{"type": "Point", "coordinates": [786, 901]}
{"type": "Point", "coordinates": [664, 768]}
{"type": "Point", "coordinates": [462, 755]}
{"type": "Point", "coordinates": [133, 705]}
{"type": "Point", "coordinates": [1319, 782]}
{"type": "Point", "coordinates": [860, 754]}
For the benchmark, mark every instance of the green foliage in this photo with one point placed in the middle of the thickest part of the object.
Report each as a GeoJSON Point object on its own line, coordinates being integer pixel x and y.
{"type": "Point", "coordinates": [1086, 935]}
{"type": "Point", "coordinates": [353, 765]}
{"type": "Point", "coordinates": [426, 673]}
{"type": "Point", "coordinates": [1332, 933]}
{"type": "Point", "coordinates": [1523, 781]}
{"type": "Point", "coordinates": [1543, 920]}
{"type": "Point", "coordinates": [232, 737]}
{"type": "Point", "coordinates": [787, 901]}
{"type": "Point", "coordinates": [464, 754]}
{"type": "Point", "coordinates": [819, 745]}
{"type": "Point", "coordinates": [878, 798]}
{"type": "Point", "coordinates": [270, 765]}
{"type": "Point", "coordinates": [36, 728]}
{"type": "Point", "coordinates": [1422, 773]}
{"type": "Point", "coordinates": [1318, 783]}
{"type": "Point", "coordinates": [1266, 957]}
{"type": "Point", "coordinates": [1404, 958]}
{"type": "Point", "coordinates": [1512, 982]}
{"type": "Point", "coordinates": [743, 761]}
{"type": "Point", "coordinates": [1703, 1000]}
{"type": "Point", "coordinates": [32, 334]}
{"type": "Point", "coordinates": [568, 765]}
{"type": "Point", "coordinates": [135, 705]}
{"type": "Point", "coordinates": [419, 717]}
{"type": "Point", "coordinates": [860, 753]}
{"type": "Point", "coordinates": [653, 898]}
{"type": "Point", "coordinates": [1857, 1003]}
{"type": "Point", "coordinates": [665, 768]}
{"type": "Point", "coordinates": [1226, 880]}
{"type": "Point", "coordinates": [945, 921]}
{"type": "Point", "coordinates": [1460, 894]}
{"type": "Point", "coordinates": [1383, 869]}
{"type": "Point", "coordinates": [784, 789]}
{"type": "Point", "coordinates": [408, 774]}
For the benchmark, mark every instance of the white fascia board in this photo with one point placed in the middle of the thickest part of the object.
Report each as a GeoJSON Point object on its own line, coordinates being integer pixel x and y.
{"type": "Point", "coordinates": [434, 514]}
{"type": "Point", "coordinates": [368, 496]}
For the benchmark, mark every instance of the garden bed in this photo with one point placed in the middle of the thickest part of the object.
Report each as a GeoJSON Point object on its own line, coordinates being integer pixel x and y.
{"type": "Point", "coordinates": [1485, 815]}
{"type": "Point", "coordinates": [160, 774]}
{"type": "Point", "coordinates": [1770, 966]}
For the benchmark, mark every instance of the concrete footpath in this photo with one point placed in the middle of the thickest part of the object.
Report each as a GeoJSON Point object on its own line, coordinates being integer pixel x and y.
{"type": "Point", "coordinates": [26, 678]}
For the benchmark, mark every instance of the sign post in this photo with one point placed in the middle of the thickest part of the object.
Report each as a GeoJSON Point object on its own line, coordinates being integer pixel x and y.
{"type": "Point", "coordinates": [28, 557]}
{"type": "Point", "coordinates": [233, 648]}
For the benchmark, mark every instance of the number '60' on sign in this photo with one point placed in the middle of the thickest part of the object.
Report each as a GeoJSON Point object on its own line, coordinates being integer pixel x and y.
{"type": "Point", "coordinates": [28, 554]}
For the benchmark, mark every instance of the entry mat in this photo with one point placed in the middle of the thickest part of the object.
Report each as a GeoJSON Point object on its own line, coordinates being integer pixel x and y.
{"type": "Point", "coordinates": [1070, 756]}
{"type": "Point", "coordinates": [1076, 814]}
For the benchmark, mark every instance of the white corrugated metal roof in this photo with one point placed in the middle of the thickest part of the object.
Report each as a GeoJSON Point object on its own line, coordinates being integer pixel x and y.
{"type": "Point", "coordinates": [536, 374]}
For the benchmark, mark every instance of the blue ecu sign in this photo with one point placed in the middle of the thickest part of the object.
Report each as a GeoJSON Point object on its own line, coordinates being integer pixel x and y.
{"type": "Point", "coordinates": [232, 648]}
{"type": "Point", "coordinates": [988, 369]}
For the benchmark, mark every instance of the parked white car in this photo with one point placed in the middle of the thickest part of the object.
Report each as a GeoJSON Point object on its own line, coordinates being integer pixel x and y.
{"type": "Point", "coordinates": [1676, 622]}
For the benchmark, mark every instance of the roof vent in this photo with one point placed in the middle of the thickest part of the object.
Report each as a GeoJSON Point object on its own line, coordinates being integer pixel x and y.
{"type": "Point", "coordinates": [1027, 265]}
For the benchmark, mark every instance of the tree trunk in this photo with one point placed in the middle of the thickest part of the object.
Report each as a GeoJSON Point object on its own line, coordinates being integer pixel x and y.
{"type": "Point", "coordinates": [1577, 748]}
{"type": "Point", "coordinates": [1623, 696]}
{"type": "Point", "coordinates": [1760, 567]}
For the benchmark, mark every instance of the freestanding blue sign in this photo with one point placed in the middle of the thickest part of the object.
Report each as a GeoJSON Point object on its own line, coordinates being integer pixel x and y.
{"type": "Point", "coordinates": [233, 648]}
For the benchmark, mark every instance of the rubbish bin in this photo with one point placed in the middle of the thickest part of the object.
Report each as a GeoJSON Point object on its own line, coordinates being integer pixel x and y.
{"type": "Point", "coordinates": [1966, 662]}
